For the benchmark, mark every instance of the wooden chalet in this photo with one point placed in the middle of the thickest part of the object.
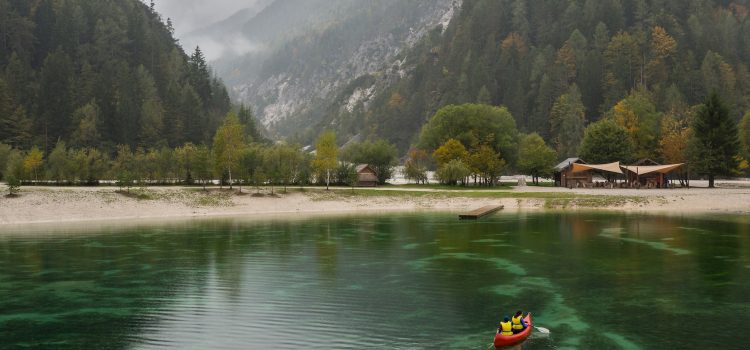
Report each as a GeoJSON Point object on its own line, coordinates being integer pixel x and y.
{"type": "Point", "coordinates": [366, 176]}
{"type": "Point", "coordinates": [608, 171]}
{"type": "Point", "coordinates": [564, 176]}
{"type": "Point", "coordinates": [649, 174]}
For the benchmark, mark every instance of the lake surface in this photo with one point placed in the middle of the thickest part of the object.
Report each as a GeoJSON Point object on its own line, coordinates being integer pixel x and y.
{"type": "Point", "coordinates": [405, 281]}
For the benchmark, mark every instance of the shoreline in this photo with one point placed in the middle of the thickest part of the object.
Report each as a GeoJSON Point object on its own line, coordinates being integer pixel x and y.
{"type": "Point", "coordinates": [47, 206]}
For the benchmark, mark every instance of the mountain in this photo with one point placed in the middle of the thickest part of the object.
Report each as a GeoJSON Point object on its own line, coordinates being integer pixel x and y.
{"type": "Point", "coordinates": [318, 51]}
{"type": "Point", "coordinates": [382, 68]}
{"type": "Point", "coordinates": [526, 54]}
{"type": "Point", "coordinates": [100, 74]}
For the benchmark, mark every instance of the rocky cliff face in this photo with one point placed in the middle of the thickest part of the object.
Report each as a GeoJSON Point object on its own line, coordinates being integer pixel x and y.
{"type": "Point", "coordinates": [328, 76]}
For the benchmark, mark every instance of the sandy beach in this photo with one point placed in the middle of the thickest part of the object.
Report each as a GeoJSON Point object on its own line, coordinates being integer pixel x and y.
{"type": "Point", "coordinates": [68, 205]}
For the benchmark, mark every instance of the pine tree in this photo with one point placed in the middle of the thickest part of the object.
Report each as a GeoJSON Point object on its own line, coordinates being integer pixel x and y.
{"type": "Point", "coordinates": [567, 121]}
{"type": "Point", "coordinates": [152, 112]}
{"type": "Point", "coordinates": [55, 109]}
{"type": "Point", "coordinates": [715, 143]}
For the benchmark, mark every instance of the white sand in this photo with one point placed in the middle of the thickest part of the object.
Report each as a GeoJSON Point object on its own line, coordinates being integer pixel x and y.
{"type": "Point", "coordinates": [61, 205]}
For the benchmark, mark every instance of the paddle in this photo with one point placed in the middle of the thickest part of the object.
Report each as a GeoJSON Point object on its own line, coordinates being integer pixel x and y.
{"type": "Point", "coordinates": [541, 329]}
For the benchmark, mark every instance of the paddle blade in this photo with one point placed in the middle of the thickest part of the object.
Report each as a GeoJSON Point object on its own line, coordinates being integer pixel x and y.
{"type": "Point", "coordinates": [542, 330]}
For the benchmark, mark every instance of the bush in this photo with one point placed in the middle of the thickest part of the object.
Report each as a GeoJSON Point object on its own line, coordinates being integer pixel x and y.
{"type": "Point", "coordinates": [453, 172]}
{"type": "Point", "coordinates": [14, 185]}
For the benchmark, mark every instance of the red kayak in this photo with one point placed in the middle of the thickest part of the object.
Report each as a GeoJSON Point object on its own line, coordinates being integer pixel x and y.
{"type": "Point", "coordinates": [507, 340]}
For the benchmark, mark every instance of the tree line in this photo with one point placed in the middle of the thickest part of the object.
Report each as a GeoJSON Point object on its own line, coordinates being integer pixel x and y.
{"type": "Point", "coordinates": [233, 158]}
{"type": "Point", "coordinates": [465, 144]}
{"type": "Point", "coordinates": [475, 142]}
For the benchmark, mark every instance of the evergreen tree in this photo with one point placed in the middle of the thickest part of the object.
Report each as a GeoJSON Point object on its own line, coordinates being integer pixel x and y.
{"type": "Point", "coordinates": [567, 120]}
{"type": "Point", "coordinates": [744, 133]}
{"type": "Point", "coordinates": [152, 112]}
{"type": "Point", "coordinates": [247, 119]}
{"type": "Point", "coordinates": [714, 147]}
{"type": "Point", "coordinates": [55, 109]}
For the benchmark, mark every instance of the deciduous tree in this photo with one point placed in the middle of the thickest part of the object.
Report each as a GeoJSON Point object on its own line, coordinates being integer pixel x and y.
{"type": "Point", "coordinates": [33, 162]}
{"type": "Point", "coordinates": [453, 172]}
{"type": "Point", "coordinates": [228, 144]}
{"type": "Point", "coordinates": [326, 155]}
{"type": "Point", "coordinates": [450, 150]}
{"type": "Point", "coordinates": [535, 158]}
{"type": "Point", "coordinates": [472, 125]}
{"type": "Point", "coordinates": [605, 142]}
{"type": "Point", "coordinates": [638, 115]}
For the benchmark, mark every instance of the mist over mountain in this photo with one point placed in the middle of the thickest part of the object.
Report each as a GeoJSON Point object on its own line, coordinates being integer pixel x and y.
{"type": "Point", "coordinates": [225, 38]}
{"type": "Point", "coordinates": [306, 53]}
{"type": "Point", "coordinates": [192, 15]}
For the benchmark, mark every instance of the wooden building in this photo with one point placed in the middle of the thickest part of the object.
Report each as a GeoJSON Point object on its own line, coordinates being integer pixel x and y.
{"type": "Point", "coordinates": [649, 174]}
{"type": "Point", "coordinates": [564, 176]}
{"type": "Point", "coordinates": [366, 176]}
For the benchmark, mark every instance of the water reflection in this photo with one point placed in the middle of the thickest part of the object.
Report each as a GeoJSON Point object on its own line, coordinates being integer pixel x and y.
{"type": "Point", "coordinates": [399, 281]}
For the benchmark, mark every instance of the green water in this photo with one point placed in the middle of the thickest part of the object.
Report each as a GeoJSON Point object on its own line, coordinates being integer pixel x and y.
{"type": "Point", "coordinates": [411, 281]}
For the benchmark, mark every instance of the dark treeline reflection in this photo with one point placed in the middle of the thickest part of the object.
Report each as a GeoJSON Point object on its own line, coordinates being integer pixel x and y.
{"type": "Point", "coordinates": [412, 280]}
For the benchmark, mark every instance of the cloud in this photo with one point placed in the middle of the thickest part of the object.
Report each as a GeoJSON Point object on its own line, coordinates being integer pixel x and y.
{"type": "Point", "coordinates": [230, 46]}
{"type": "Point", "coordinates": [189, 15]}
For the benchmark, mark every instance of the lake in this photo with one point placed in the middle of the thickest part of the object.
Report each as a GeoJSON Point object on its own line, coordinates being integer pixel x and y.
{"type": "Point", "coordinates": [397, 281]}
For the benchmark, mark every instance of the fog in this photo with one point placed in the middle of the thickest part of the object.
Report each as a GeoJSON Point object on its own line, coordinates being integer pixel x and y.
{"type": "Point", "coordinates": [189, 15]}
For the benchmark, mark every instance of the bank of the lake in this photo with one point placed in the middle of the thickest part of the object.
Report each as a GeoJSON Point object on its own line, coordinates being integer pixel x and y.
{"type": "Point", "coordinates": [80, 204]}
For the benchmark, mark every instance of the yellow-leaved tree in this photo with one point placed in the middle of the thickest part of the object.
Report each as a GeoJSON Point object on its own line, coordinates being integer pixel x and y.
{"type": "Point", "coordinates": [229, 142]}
{"type": "Point", "coordinates": [326, 153]}
{"type": "Point", "coordinates": [33, 162]}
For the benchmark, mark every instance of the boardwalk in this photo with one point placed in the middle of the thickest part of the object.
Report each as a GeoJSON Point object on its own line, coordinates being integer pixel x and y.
{"type": "Point", "coordinates": [478, 213]}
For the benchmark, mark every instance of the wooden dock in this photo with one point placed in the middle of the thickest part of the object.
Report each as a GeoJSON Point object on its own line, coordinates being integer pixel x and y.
{"type": "Point", "coordinates": [478, 213]}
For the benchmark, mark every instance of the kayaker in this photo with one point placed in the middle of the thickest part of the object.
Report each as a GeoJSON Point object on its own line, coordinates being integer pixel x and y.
{"type": "Point", "coordinates": [506, 328]}
{"type": "Point", "coordinates": [519, 324]}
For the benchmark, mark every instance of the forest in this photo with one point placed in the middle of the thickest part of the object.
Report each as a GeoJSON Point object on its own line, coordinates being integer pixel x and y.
{"type": "Point", "coordinates": [549, 61]}
{"type": "Point", "coordinates": [99, 74]}
{"type": "Point", "coordinates": [102, 90]}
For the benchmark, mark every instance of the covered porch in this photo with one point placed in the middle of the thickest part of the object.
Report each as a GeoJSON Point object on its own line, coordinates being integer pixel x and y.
{"type": "Point", "coordinates": [650, 176]}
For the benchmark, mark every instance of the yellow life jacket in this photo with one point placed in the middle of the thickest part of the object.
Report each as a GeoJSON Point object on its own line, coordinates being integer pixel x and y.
{"type": "Point", "coordinates": [517, 322]}
{"type": "Point", "coordinates": [506, 328]}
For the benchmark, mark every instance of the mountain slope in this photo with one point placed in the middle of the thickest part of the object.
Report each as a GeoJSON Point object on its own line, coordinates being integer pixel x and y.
{"type": "Point", "coordinates": [340, 46]}
{"type": "Point", "coordinates": [383, 68]}
{"type": "Point", "coordinates": [525, 54]}
{"type": "Point", "coordinates": [99, 74]}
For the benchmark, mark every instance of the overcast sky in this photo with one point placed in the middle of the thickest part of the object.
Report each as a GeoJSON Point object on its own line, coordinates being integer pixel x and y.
{"type": "Point", "coordinates": [189, 15]}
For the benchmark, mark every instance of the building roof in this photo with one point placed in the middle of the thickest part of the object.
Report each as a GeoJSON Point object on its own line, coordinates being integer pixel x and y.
{"type": "Point", "coordinates": [362, 167]}
{"type": "Point", "coordinates": [566, 163]}
{"type": "Point", "coordinates": [609, 168]}
{"type": "Point", "coordinates": [643, 170]}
